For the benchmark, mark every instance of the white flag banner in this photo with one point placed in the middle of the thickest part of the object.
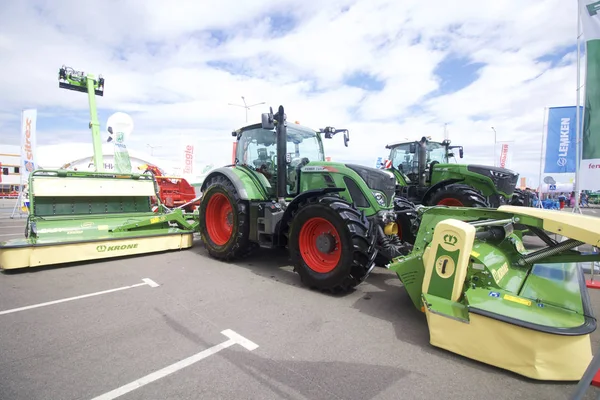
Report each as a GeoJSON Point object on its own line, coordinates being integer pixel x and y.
{"type": "Point", "coordinates": [504, 152]}
{"type": "Point", "coordinates": [28, 144]}
{"type": "Point", "coordinates": [589, 172]}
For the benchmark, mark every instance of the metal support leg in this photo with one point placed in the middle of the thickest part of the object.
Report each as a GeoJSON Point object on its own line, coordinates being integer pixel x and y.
{"type": "Point", "coordinates": [586, 380]}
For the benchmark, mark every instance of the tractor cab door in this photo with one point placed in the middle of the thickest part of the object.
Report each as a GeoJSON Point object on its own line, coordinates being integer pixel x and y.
{"type": "Point", "coordinates": [405, 159]}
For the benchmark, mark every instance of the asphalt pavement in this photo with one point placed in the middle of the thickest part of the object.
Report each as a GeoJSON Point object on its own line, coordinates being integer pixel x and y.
{"type": "Point", "coordinates": [181, 325]}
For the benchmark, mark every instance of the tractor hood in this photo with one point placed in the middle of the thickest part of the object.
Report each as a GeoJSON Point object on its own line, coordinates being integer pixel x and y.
{"type": "Point", "coordinates": [377, 179]}
{"type": "Point", "coordinates": [504, 179]}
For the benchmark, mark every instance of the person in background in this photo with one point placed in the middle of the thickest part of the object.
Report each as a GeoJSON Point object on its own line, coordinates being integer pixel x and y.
{"type": "Point", "coordinates": [25, 197]}
{"type": "Point", "coordinates": [572, 200]}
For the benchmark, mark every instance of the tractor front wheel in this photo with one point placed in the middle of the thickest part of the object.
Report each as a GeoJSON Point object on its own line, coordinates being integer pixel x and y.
{"type": "Point", "coordinates": [406, 219]}
{"type": "Point", "coordinates": [224, 225]}
{"type": "Point", "coordinates": [458, 195]}
{"type": "Point", "coordinates": [518, 199]}
{"type": "Point", "coordinates": [330, 244]}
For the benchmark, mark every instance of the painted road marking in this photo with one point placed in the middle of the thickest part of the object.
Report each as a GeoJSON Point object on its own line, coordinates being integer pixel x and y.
{"type": "Point", "coordinates": [234, 338]}
{"type": "Point", "coordinates": [12, 234]}
{"type": "Point", "coordinates": [11, 226]}
{"type": "Point", "coordinates": [146, 282]}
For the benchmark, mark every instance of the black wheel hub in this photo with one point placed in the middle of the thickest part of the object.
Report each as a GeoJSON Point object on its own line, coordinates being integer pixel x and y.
{"type": "Point", "coordinates": [325, 243]}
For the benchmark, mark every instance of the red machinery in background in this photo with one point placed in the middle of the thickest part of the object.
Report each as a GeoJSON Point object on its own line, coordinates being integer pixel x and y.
{"type": "Point", "coordinates": [173, 191]}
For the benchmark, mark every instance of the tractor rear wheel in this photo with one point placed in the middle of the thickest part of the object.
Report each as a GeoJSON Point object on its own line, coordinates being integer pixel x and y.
{"type": "Point", "coordinates": [224, 225]}
{"type": "Point", "coordinates": [406, 219]}
{"type": "Point", "coordinates": [330, 244]}
{"type": "Point", "coordinates": [458, 195]}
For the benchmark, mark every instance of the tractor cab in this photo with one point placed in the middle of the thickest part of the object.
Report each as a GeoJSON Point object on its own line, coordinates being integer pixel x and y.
{"type": "Point", "coordinates": [257, 149]}
{"type": "Point", "coordinates": [405, 157]}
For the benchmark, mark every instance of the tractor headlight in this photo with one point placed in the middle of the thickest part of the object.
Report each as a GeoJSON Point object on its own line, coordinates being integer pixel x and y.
{"type": "Point", "coordinates": [379, 197]}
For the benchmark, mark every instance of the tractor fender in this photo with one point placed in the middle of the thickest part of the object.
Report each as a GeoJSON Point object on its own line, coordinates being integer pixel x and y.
{"type": "Point", "coordinates": [302, 197]}
{"type": "Point", "coordinates": [437, 186]}
{"type": "Point", "coordinates": [246, 188]}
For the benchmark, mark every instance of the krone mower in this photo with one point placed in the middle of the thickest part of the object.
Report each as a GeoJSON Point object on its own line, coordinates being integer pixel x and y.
{"type": "Point", "coordinates": [79, 216]}
{"type": "Point", "coordinates": [487, 297]}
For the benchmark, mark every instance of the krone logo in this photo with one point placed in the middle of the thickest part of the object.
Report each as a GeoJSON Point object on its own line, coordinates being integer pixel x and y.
{"type": "Point", "coordinates": [450, 239]}
{"type": "Point", "coordinates": [102, 248]}
{"type": "Point", "coordinates": [561, 161]}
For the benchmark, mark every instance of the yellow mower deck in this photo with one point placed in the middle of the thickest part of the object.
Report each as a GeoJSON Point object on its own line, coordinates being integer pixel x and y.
{"type": "Point", "coordinates": [81, 216]}
{"type": "Point", "coordinates": [516, 321]}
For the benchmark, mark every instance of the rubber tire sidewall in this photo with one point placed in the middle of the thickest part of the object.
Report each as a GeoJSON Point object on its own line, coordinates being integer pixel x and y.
{"type": "Point", "coordinates": [226, 249]}
{"type": "Point", "coordinates": [344, 266]}
{"type": "Point", "coordinates": [446, 193]}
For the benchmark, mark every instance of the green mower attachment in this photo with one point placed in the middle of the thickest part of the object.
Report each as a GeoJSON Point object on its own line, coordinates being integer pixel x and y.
{"type": "Point", "coordinates": [488, 298]}
{"type": "Point", "coordinates": [78, 216]}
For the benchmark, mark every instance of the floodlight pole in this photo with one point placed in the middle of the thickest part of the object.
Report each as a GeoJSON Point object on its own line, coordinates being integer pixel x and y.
{"type": "Point", "coordinates": [246, 106]}
{"type": "Point", "coordinates": [77, 81]}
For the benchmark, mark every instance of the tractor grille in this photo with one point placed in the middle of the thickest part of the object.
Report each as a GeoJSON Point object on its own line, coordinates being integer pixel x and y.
{"type": "Point", "coordinates": [504, 179]}
{"type": "Point", "coordinates": [377, 179]}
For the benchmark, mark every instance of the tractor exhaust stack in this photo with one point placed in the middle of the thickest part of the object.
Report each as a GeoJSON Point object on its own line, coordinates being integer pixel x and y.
{"type": "Point", "coordinates": [422, 153]}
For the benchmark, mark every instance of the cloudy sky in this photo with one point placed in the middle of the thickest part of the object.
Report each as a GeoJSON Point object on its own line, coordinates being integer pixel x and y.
{"type": "Point", "coordinates": [386, 70]}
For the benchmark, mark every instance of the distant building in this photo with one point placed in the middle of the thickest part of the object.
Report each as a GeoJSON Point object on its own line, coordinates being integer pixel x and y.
{"type": "Point", "coordinates": [10, 172]}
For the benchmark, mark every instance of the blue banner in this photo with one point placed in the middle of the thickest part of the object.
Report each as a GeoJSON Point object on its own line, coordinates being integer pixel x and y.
{"type": "Point", "coordinates": [560, 139]}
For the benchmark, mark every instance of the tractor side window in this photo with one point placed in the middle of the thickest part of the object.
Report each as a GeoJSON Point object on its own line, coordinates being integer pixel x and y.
{"type": "Point", "coordinates": [303, 146]}
{"type": "Point", "coordinates": [257, 148]}
{"type": "Point", "coordinates": [403, 160]}
{"type": "Point", "coordinates": [436, 152]}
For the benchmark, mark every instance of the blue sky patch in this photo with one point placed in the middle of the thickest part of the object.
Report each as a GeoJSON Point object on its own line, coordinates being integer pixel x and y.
{"type": "Point", "coordinates": [281, 23]}
{"type": "Point", "coordinates": [364, 81]}
{"type": "Point", "coordinates": [555, 58]}
{"type": "Point", "coordinates": [456, 73]}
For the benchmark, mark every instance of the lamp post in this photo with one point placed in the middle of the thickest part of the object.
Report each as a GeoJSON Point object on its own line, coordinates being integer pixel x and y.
{"type": "Point", "coordinates": [495, 141]}
{"type": "Point", "coordinates": [246, 106]}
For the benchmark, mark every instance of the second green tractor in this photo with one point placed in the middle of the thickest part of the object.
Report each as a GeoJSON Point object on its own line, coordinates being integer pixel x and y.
{"type": "Point", "coordinates": [426, 175]}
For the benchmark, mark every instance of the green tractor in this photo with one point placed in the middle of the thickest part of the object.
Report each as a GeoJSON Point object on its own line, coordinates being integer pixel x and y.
{"type": "Point", "coordinates": [426, 175]}
{"type": "Point", "coordinates": [335, 219]}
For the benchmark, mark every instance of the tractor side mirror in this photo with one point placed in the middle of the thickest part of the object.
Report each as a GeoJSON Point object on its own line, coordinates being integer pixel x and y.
{"type": "Point", "coordinates": [461, 153]}
{"type": "Point", "coordinates": [346, 138]}
{"type": "Point", "coordinates": [413, 148]}
{"type": "Point", "coordinates": [267, 121]}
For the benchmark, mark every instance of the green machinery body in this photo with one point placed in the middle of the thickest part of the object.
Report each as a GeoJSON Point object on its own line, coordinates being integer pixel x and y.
{"type": "Point", "coordinates": [489, 298]}
{"type": "Point", "coordinates": [78, 216]}
{"type": "Point", "coordinates": [426, 176]}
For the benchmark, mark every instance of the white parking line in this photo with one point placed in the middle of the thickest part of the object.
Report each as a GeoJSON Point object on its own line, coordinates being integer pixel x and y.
{"type": "Point", "coordinates": [146, 282]}
{"type": "Point", "coordinates": [234, 338]}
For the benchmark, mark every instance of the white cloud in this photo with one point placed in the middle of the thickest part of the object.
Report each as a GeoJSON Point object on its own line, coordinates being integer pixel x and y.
{"type": "Point", "coordinates": [172, 67]}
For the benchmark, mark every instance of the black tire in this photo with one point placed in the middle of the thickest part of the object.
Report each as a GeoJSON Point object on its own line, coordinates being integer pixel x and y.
{"type": "Point", "coordinates": [518, 198]}
{"type": "Point", "coordinates": [407, 219]}
{"type": "Point", "coordinates": [353, 232]}
{"type": "Point", "coordinates": [238, 244]}
{"type": "Point", "coordinates": [466, 195]}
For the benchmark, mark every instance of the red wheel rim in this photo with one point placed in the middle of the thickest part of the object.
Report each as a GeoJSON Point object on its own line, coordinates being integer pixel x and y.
{"type": "Point", "coordinates": [399, 229]}
{"type": "Point", "coordinates": [318, 261]}
{"type": "Point", "coordinates": [450, 202]}
{"type": "Point", "coordinates": [219, 219]}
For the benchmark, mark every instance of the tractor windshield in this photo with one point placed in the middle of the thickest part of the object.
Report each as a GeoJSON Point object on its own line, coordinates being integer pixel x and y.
{"type": "Point", "coordinates": [257, 148]}
{"type": "Point", "coordinates": [408, 163]}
